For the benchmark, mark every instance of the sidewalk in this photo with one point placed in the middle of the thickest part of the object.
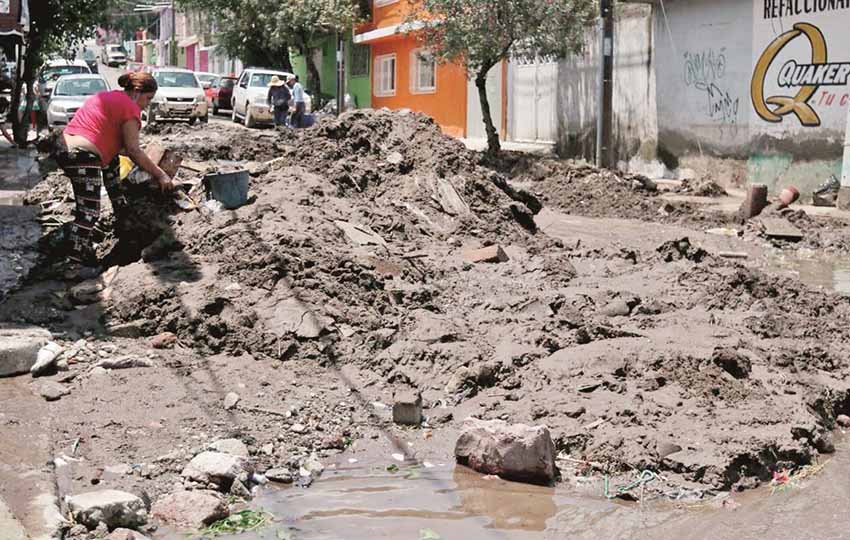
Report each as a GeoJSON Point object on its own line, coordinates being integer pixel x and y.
{"type": "Point", "coordinates": [19, 226]}
{"type": "Point", "coordinates": [18, 172]}
{"type": "Point", "coordinates": [540, 149]}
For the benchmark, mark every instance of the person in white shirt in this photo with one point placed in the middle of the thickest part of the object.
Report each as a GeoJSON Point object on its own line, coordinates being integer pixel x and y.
{"type": "Point", "coordinates": [297, 118]}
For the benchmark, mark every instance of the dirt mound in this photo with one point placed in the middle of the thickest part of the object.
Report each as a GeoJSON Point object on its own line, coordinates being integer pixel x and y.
{"type": "Point", "coordinates": [701, 187]}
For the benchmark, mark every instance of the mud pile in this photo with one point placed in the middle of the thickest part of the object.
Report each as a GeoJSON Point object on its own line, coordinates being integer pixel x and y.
{"type": "Point", "coordinates": [351, 256]}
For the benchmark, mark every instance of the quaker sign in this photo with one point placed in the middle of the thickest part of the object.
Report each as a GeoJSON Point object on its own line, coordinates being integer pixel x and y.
{"type": "Point", "coordinates": [801, 65]}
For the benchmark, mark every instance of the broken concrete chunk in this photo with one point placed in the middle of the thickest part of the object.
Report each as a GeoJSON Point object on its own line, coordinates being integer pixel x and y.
{"type": "Point", "coordinates": [52, 391]}
{"type": "Point", "coordinates": [491, 254]}
{"type": "Point", "coordinates": [217, 468]}
{"type": "Point", "coordinates": [732, 362]}
{"type": "Point", "coordinates": [109, 506]}
{"type": "Point", "coordinates": [361, 235]}
{"type": "Point", "coordinates": [165, 340]}
{"type": "Point", "coordinates": [294, 316]}
{"type": "Point", "coordinates": [843, 420]}
{"type": "Point", "coordinates": [124, 362]}
{"type": "Point", "coordinates": [513, 452]}
{"type": "Point", "coordinates": [190, 509]}
{"type": "Point", "coordinates": [46, 359]}
{"type": "Point", "coordinates": [407, 409]}
{"type": "Point", "coordinates": [282, 476]}
{"type": "Point", "coordinates": [230, 401]}
{"type": "Point", "coordinates": [234, 447]}
{"type": "Point", "coordinates": [444, 194]}
{"type": "Point", "coordinates": [19, 346]}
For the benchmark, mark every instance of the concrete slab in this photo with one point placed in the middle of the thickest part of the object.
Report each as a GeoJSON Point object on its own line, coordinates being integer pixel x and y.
{"type": "Point", "coordinates": [19, 346]}
{"type": "Point", "coordinates": [541, 149]}
{"type": "Point", "coordinates": [10, 527]}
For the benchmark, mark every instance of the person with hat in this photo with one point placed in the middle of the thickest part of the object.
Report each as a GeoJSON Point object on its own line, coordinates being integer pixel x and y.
{"type": "Point", "coordinates": [279, 96]}
{"type": "Point", "coordinates": [298, 97]}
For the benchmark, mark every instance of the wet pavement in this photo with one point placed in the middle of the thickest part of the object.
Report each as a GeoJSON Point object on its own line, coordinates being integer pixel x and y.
{"type": "Point", "coordinates": [19, 227]}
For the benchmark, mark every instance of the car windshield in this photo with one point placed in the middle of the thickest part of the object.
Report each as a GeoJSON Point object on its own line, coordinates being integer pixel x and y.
{"type": "Point", "coordinates": [207, 78]}
{"type": "Point", "coordinates": [57, 71]}
{"type": "Point", "coordinates": [79, 87]}
{"type": "Point", "coordinates": [176, 79]}
{"type": "Point", "coordinates": [88, 55]}
{"type": "Point", "coordinates": [228, 83]}
{"type": "Point", "coordinates": [116, 49]}
{"type": "Point", "coordinates": [263, 79]}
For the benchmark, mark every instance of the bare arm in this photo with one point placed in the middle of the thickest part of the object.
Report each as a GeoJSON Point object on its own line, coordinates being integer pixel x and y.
{"type": "Point", "coordinates": [130, 130]}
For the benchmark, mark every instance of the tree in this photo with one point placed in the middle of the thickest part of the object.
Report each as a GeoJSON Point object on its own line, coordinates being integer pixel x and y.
{"type": "Point", "coordinates": [479, 34]}
{"type": "Point", "coordinates": [261, 32]}
{"type": "Point", "coordinates": [56, 26]}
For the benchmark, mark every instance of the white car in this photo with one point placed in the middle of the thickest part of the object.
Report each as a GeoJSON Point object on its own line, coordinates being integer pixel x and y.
{"type": "Point", "coordinates": [180, 97]}
{"type": "Point", "coordinates": [250, 100]}
{"type": "Point", "coordinates": [70, 93]}
{"type": "Point", "coordinates": [114, 55]}
{"type": "Point", "coordinates": [53, 69]}
{"type": "Point", "coordinates": [206, 78]}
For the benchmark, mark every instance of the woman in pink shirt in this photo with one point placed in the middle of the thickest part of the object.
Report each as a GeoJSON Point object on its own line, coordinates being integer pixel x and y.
{"type": "Point", "coordinates": [107, 123]}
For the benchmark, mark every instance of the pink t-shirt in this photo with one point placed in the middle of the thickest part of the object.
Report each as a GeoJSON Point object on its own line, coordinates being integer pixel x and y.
{"type": "Point", "coordinates": [99, 121]}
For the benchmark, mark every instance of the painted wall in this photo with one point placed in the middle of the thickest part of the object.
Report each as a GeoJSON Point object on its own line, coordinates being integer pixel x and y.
{"type": "Point", "coordinates": [360, 87]}
{"type": "Point", "coordinates": [447, 105]}
{"type": "Point", "coordinates": [635, 115]}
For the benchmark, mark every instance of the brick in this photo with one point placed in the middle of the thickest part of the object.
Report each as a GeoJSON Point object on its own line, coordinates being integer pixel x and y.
{"type": "Point", "coordinates": [407, 409]}
{"type": "Point", "coordinates": [494, 254]}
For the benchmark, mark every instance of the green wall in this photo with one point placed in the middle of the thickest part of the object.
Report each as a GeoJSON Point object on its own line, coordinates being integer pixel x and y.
{"type": "Point", "coordinates": [359, 87]}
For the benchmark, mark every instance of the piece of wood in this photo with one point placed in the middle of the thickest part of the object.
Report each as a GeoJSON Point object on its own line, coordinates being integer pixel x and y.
{"type": "Point", "coordinates": [780, 228]}
{"type": "Point", "coordinates": [734, 255]}
{"type": "Point", "coordinates": [489, 254]}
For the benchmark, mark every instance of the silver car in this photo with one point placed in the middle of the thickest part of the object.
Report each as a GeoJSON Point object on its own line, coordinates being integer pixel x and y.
{"type": "Point", "coordinates": [69, 94]}
{"type": "Point", "coordinates": [180, 97]}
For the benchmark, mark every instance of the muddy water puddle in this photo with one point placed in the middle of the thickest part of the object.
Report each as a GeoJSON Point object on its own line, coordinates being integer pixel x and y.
{"type": "Point", "coordinates": [829, 274]}
{"type": "Point", "coordinates": [444, 502]}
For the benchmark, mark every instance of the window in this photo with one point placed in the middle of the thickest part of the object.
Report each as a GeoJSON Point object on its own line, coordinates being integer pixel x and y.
{"type": "Point", "coordinates": [360, 60]}
{"type": "Point", "coordinates": [385, 75]}
{"type": "Point", "coordinates": [79, 87]}
{"type": "Point", "coordinates": [423, 72]}
{"type": "Point", "coordinates": [176, 79]}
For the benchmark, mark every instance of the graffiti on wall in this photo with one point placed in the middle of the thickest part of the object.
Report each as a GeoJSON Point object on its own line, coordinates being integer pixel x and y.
{"type": "Point", "coordinates": [705, 71]}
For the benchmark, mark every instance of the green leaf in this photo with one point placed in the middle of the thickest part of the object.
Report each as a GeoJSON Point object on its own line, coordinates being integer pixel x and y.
{"type": "Point", "coordinates": [428, 534]}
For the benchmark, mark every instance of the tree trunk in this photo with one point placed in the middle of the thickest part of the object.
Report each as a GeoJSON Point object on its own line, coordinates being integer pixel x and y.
{"type": "Point", "coordinates": [20, 122]}
{"type": "Point", "coordinates": [493, 144]}
{"type": "Point", "coordinates": [314, 82]}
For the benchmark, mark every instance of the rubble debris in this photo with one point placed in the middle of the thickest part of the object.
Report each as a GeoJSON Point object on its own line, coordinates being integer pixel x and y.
{"type": "Point", "coordinates": [787, 197]}
{"type": "Point", "coordinates": [780, 228]}
{"type": "Point", "coordinates": [733, 254]}
{"type": "Point", "coordinates": [513, 452]}
{"type": "Point", "coordinates": [19, 348]}
{"type": "Point", "coordinates": [843, 420]}
{"type": "Point", "coordinates": [826, 193]}
{"type": "Point", "coordinates": [190, 509]}
{"type": "Point", "coordinates": [489, 254]}
{"type": "Point", "coordinates": [46, 359]}
{"type": "Point", "coordinates": [282, 476]}
{"type": "Point", "coordinates": [111, 507]}
{"type": "Point", "coordinates": [703, 186]}
{"type": "Point", "coordinates": [125, 362]}
{"type": "Point", "coordinates": [407, 409]}
{"type": "Point", "coordinates": [360, 234]}
{"type": "Point", "coordinates": [755, 202]}
{"type": "Point", "coordinates": [165, 340]}
{"type": "Point", "coordinates": [126, 534]}
{"type": "Point", "coordinates": [676, 250]}
{"type": "Point", "coordinates": [230, 401]}
{"type": "Point", "coordinates": [733, 362]}
{"type": "Point", "coordinates": [52, 391]}
{"type": "Point", "coordinates": [234, 447]}
{"type": "Point", "coordinates": [216, 468]}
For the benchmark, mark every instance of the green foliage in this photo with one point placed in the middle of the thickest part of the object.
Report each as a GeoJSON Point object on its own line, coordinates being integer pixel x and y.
{"type": "Point", "coordinates": [240, 522]}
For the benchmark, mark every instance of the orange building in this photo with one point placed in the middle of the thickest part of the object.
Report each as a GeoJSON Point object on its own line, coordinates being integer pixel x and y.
{"type": "Point", "coordinates": [405, 76]}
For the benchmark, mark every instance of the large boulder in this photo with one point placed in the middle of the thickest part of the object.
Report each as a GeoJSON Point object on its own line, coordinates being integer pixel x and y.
{"type": "Point", "coordinates": [190, 509]}
{"type": "Point", "coordinates": [511, 451]}
{"type": "Point", "coordinates": [234, 447]}
{"type": "Point", "coordinates": [19, 346]}
{"type": "Point", "coordinates": [217, 468]}
{"type": "Point", "coordinates": [109, 506]}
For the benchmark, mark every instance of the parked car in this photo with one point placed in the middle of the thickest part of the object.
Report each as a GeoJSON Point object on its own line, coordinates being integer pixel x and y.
{"type": "Point", "coordinates": [70, 93]}
{"type": "Point", "coordinates": [90, 58]}
{"type": "Point", "coordinates": [221, 93]}
{"type": "Point", "coordinates": [180, 97]}
{"type": "Point", "coordinates": [205, 78]}
{"type": "Point", "coordinates": [53, 69]}
{"type": "Point", "coordinates": [250, 100]}
{"type": "Point", "coordinates": [113, 55]}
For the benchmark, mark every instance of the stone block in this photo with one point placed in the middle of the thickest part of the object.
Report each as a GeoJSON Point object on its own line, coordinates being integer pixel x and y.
{"type": "Point", "coordinates": [407, 409]}
{"type": "Point", "coordinates": [492, 254]}
{"type": "Point", "coordinates": [190, 509]}
{"type": "Point", "coordinates": [19, 346]}
{"type": "Point", "coordinates": [112, 507]}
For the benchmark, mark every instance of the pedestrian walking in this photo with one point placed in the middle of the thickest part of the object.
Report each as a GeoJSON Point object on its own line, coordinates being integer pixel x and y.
{"type": "Point", "coordinates": [106, 123]}
{"type": "Point", "coordinates": [297, 120]}
{"type": "Point", "coordinates": [279, 97]}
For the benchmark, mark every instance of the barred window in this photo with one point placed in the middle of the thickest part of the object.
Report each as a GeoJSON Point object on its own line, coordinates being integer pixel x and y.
{"type": "Point", "coordinates": [360, 60]}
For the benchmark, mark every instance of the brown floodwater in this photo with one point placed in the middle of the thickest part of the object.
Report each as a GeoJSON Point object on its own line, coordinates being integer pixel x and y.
{"type": "Point", "coordinates": [447, 502]}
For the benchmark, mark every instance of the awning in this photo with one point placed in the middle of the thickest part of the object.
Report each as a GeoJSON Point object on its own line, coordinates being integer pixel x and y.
{"type": "Point", "coordinates": [188, 42]}
{"type": "Point", "coordinates": [387, 31]}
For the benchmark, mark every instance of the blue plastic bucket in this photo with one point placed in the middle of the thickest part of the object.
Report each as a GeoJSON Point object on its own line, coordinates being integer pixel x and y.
{"type": "Point", "coordinates": [230, 189]}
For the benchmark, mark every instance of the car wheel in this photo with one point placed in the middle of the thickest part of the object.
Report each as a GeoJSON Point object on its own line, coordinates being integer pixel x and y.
{"type": "Point", "coordinates": [249, 118]}
{"type": "Point", "coordinates": [214, 108]}
{"type": "Point", "coordinates": [233, 115]}
{"type": "Point", "coordinates": [205, 119]}
{"type": "Point", "coordinates": [193, 121]}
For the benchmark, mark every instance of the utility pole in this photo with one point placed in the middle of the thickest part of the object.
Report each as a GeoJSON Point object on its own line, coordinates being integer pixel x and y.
{"type": "Point", "coordinates": [340, 73]}
{"type": "Point", "coordinates": [605, 116]}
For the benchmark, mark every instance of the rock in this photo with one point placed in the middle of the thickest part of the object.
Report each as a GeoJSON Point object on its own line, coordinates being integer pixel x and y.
{"type": "Point", "coordinates": [407, 409]}
{"type": "Point", "coordinates": [312, 467]}
{"type": "Point", "coordinates": [461, 378]}
{"type": "Point", "coordinates": [134, 329]}
{"type": "Point", "coordinates": [97, 371]}
{"type": "Point", "coordinates": [126, 534]}
{"type": "Point", "coordinates": [124, 362]}
{"type": "Point", "coordinates": [230, 401]}
{"type": "Point", "coordinates": [217, 468]}
{"type": "Point", "coordinates": [52, 391]}
{"type": "Point", "coordinates": [824, 443]}
{"type": "Point", "coordinates": [19, 346]}
{"type": "Point", "coordinates": [732, 362]}
{"type": "Point", "coordinates": [190, 509]}
{"type": "Point", "coordinates": [843, 420]}
{"type": "Point", "coordinates": [234, 447]}
{"type": "Point", "coordinates": [109, 506]}
{"type": "Point", "coordinates": [46, 359]}
{"type": "Point", "coordinates": [666, 448]}
{"type": "Point", "coordinates": [513, 452]}
{"type": "Point", "coordinates": [395, 158]}
{"type": "Point", "coordinates": [165, 340]}
{"type": "Point", "coordinates": [282, 476]}
{"type": "Point", "coordinates": [298, 428]}
{"type": "Point", "coordinates": [617, 308]}
{"type": "Point", "coordinates": [491, 254]}
{"type": "Point", "coordinates": [88, 292]}
{"type": "Point", "coordinates": [239, 487]}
